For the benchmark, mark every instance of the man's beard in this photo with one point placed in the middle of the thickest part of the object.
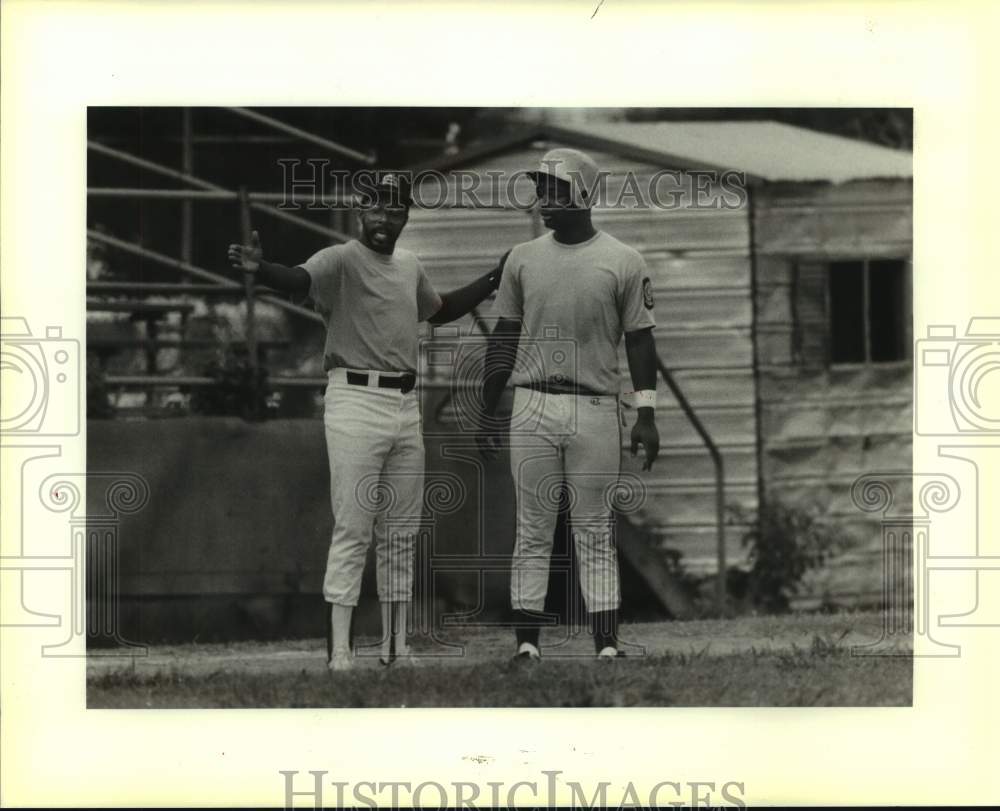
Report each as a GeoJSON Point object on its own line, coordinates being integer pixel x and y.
{"type": "Point", "coordinates": [380, 238]}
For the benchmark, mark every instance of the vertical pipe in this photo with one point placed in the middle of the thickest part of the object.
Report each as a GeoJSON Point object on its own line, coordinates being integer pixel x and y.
{"type": "Point", "coordinates": [187, 167]}
{"type": "Point", "coordinates": [720, 534]}
{"type": "Point", "coordinates": [720, 483]}
{"type": "Point", "coordinates": [758, 400]}
{"type": "Point", "coordinates": [248, 284]}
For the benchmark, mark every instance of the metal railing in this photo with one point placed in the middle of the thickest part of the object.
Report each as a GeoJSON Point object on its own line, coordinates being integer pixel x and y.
{"type": "Point", "coordinates": [217, 192]}
{"type": "Point", "coordinates": [304, 135]}
{"type": "Point", "coordinates": [720, 482]}
{"type": "Point", "coordinates": [213, 283]}
{"type": "Point", "coordinates": [221, 282]}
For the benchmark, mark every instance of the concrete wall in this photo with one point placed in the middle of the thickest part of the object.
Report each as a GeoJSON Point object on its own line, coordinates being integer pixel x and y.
{"type": "Point", "coordinates": [233, 540]}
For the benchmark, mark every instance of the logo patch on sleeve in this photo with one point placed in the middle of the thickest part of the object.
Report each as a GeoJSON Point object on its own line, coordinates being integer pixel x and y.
{"type": "Point", "coordinates": [647, 293]}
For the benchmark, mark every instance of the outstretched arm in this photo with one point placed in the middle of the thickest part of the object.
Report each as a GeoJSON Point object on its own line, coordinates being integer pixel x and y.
{"type": "Point", "coordinates": [501, 352]}
{"type": "Point", "coordinates": [250, 259]}
{"type": "Point", "coordinates": [640, 349]}
{"type": "Point", "coordinates": [461, 301]}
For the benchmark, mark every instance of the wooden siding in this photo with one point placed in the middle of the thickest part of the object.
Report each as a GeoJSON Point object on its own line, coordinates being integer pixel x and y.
{"type": "Point", "coordinates": [824, 425]}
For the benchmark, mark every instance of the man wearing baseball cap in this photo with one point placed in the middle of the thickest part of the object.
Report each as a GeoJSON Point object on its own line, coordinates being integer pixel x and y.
{"type": "Point", "coordinates": [581, 288]}
{"type": "Point", "coordinates": [372, 296]}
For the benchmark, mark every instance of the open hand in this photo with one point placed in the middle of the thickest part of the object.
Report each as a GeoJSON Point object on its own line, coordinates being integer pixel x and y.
{"type": "Point", "coordinates": [247, 257]}
{"type": "Point", "coordinates": [497, 273]}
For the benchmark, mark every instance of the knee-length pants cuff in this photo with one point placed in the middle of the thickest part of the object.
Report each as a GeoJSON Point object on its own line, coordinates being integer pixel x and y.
{"type": "Point", "coordinates": [376, 456]}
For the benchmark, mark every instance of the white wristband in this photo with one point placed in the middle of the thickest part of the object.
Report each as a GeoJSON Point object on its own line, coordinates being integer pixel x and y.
{"type": "Point", "coordinates": [645, 398]}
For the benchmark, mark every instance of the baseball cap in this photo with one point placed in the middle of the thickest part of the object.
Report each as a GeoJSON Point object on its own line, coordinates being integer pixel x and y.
{"type": "Point", "coordinates": [391, 185]}
{"type": "Point", "coordinates": [576, 168]}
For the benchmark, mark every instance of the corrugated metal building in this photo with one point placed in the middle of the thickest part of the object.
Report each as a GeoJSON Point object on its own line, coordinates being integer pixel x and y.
{"type": "Point", "coordinates": [783, 312]}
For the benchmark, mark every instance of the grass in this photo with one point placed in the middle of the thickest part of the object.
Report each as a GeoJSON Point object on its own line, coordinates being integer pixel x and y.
{"type": "Point", "coordinates": [821, 674]}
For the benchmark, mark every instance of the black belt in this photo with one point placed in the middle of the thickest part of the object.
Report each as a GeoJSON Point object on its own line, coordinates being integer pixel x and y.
{"type": "Point", "coordinates": [404, 382]}
{"type": "Point", "coordinates": [565, 388]}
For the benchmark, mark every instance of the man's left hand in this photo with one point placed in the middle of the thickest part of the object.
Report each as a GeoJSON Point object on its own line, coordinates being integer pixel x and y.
{"type": "Point", "coordinates": [645, 433]}
{"type": "Point", "coordinates": [497, 273]}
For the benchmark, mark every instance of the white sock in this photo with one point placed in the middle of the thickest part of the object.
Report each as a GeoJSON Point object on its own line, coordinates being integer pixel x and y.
{"type": "Point", "coordinates": [341, 628]}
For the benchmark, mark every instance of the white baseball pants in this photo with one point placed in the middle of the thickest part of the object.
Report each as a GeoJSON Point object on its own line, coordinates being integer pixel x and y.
{"type": "Point", "coordinates": [376, 454]}
{"type": "Point", "coordinates": [576, 439]}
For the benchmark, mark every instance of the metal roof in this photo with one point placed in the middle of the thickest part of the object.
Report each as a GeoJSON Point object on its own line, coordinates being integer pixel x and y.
{"type": "Point", "coordinates": [763, 150]}
{"type": "Point", "coordinates": [767, 149]}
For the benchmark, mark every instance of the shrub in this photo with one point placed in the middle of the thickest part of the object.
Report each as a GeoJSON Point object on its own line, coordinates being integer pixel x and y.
{"type": "Point", "coordinates": [99, 405]}
{"type": "Point", "coordinates": [784, 544]}
{"type": "Point", "coordinates": [237, 391]}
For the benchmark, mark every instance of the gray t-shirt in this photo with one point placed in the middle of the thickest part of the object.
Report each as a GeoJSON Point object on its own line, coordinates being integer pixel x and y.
{"type": "Point", "coordinates": [575, 303]}
{"type": "Point", "coordinates": [372, 304]}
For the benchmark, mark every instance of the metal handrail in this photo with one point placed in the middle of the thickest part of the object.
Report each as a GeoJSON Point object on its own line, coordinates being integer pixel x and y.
{"type": "Point", "coordinates": [208, 190]}
{"type": "Point", "coordinates": [163, 194]}
{"type": "Point", "coordinates": [305, 135]}
{"type": "Point", "coordinates": [150, 166]}
{"type": "Point", "coordinates": [166, 171]}
{"type": "Point", "coordinates": [162, 288]}
{"type": "Point", "coordinates": [212, 195]}
{"type": "Point", "coordinates": [194, 270]}
{"type": "Point", "coordinates": [326, 201]}
{"type": "Point", "coordinates": [720, 482]}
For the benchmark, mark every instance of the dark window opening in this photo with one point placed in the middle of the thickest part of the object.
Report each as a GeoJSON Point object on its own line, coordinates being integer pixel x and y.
{"type": "Point", "coordinates": [868, 311]}
{"type": "Point", "coordinates": [847, 312]}
{"type": "Point", "coordinates": [886, 297]}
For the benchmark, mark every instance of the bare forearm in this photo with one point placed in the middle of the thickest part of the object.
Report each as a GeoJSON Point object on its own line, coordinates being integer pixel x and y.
{"type": "Point", "coordinates": [292, 280]}
{"type": "Point", "coordinates": [461, 301]}
{"type": "Point", "coordinates": [500, 356]}
{"type": "Point", "coordinates": [495, 376]}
